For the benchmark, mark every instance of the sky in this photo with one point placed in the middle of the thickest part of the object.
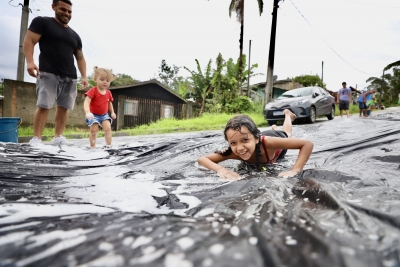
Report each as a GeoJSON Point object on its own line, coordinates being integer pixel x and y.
{"type": "Point", "coordinates": [340, 40]}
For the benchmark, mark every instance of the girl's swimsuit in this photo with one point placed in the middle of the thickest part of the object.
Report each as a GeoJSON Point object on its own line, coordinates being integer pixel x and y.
{"type": "Point", "coordinates": [276, 155]}
{"type": "Point", "coordinates": [279, 153]}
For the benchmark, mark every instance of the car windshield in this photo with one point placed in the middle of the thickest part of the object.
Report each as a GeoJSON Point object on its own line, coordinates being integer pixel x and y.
{"type": "Point", "coordinates": [296, 93]}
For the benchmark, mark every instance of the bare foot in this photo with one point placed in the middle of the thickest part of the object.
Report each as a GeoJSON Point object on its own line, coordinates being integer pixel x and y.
{"type": "Point", "coordinates": [274, 127]}
{"type": "Point", "coordinates": [289, 113]}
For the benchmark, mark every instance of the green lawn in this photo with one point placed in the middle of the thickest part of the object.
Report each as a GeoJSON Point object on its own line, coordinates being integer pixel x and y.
{"type": "Point", "coordinates": [206, 122]}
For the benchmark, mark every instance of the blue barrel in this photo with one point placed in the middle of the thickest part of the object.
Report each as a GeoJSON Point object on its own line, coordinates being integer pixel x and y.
{"type": "Point", "coordinates": [9, 129]}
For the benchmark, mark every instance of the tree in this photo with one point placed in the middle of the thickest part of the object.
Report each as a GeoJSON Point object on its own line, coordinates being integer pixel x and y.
{"type": "Point", "coordinates": [238, 7]}
{"type": "Point", "coordinates": [379, 84]}
{"type": "Point", "coordinates": [201, 83]}
{"type": "Point", "coordinates": [121, 80]}
{"type": "Point", "coordinates": [168, 76]}
{"type": "Point", "coordinates": [395, 81]}
{"type": "Point", "coordinates": [224, 83]}
{"type": "Point", "coordinates": [309, 80]}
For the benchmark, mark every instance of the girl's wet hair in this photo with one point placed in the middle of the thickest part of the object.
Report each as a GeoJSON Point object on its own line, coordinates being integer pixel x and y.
{"type": "Point", "coordinates": [236, 123]}
{"type": "Point", "coordinates": [97, 71]}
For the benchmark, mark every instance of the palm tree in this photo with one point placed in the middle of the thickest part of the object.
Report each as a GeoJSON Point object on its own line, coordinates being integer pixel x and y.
{"type": "Point", "coordinates": [238, 7]}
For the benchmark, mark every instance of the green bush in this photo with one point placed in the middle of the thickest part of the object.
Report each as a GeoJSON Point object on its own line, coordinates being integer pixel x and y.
{"type": "Point", "coordinates": [239, 105]}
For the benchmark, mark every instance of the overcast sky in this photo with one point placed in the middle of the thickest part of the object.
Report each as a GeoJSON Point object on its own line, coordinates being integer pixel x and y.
{"type": "Point", "coordinates": [355, 39]}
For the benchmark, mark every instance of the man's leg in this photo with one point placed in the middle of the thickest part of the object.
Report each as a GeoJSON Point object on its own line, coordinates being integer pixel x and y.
{"type": "Point", "coordinates": [60, 120]}
{"type": "Point", "coordinates": [39, 121]}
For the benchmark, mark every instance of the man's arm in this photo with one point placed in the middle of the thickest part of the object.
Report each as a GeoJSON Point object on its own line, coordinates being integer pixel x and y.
{"type": "Point", "coordinates": [30, 41]}
{"type": "Point", "coordinates": [80, 59]}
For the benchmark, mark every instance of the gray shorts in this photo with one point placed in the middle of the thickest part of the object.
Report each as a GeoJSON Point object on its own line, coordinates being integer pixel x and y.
{"type": "Point", "coordinates": [52, 89]}
{"type": "Point", "coordinates": [343, 105]}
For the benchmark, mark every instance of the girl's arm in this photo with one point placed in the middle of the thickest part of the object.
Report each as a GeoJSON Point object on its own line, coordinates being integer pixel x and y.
{"type": "Point", "coordinates": [86, 107]}
{"type": "Point", "coordinates": [305, 148]}
{"type": "Point", "coordinates": [211, 162]}
{"type": "Point", "coordinates": [111, 109]}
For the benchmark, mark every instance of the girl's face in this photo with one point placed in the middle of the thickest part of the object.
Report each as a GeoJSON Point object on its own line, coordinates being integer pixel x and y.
{"type": "Point", "coordinates": [243, 143]}
{"type": "Point", "coordinates": [102, 80]}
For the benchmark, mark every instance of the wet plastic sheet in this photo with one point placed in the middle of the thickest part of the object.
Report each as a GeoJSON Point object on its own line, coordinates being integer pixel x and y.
{"type": "Point", "coordinates": [148, 203]}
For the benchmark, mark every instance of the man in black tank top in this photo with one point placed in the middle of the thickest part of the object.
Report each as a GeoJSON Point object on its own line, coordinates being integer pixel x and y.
{"type": "Point", "coordinates": [56, 75]}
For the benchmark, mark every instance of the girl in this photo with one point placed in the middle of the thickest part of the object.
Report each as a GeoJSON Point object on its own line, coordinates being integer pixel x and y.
{"type": "Point", "coordinates": [97, 104]}
{"type": "Point", "coordinates": [247, 143]}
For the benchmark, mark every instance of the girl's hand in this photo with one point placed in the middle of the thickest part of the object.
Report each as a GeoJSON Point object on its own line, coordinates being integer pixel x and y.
{"type": "Point", "coordinates": [228, 174]}
{"type": "Point", "coordinates": [113, 116]}
{"type": "Point", "coordinates": [290, 173]}
{"type": "Point", "coordinates": [89, 116]}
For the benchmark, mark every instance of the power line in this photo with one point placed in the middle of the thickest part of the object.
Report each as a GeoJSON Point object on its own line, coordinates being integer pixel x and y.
{"type": "Point", "coordinates": [326, 42]}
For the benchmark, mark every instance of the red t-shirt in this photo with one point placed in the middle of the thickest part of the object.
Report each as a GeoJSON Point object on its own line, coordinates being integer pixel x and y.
{"type": "Point", "coordinates": [99, 103]}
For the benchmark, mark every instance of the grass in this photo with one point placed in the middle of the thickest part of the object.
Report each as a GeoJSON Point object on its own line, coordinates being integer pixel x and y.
{"type": "Point", "coordinates": [206, 122]}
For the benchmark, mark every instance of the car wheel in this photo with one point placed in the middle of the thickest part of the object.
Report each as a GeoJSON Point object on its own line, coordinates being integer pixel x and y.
{"type": "Point", "coordinates": [313, 115]}
{"type": "Point", "coordinates": [271, 122]}
{"type": "Point", "coordinates": [332, 115]}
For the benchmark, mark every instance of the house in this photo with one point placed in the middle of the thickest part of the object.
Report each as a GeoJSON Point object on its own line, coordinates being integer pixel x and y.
{"type": "Point", "coordinates": [278, 88]}
{"type": "Point", "coordinates": [146, 102]}
{"type": "Point", "coordinates": [135, 104]}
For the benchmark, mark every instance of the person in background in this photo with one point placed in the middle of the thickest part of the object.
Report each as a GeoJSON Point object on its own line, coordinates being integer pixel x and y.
{"type": "Point", "coordinates": [56, 74]}
{"type": "Point", "coordinates": [362, 103]}
{"type": "Point", "coordinates": [98, 103]}
{"type": "Point", "coordinates": [370, 102]}
{"type": "Point", "coordinates": [344, 100]}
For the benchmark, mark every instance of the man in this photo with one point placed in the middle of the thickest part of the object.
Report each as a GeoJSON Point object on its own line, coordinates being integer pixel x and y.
{"type": "Point", "coordinates": [56, 75]}
{"type": "Point", "coordinates": [344, 95]}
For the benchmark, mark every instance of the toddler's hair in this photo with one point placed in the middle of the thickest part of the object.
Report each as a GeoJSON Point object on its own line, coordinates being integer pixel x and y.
{"type": "Point", "coordinates": [110, 75]}
{"type": "Point", "coordinates": [236, 123]}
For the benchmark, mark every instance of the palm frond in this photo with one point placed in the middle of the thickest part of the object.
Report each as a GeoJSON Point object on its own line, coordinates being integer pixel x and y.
{"type": "Point", "coordinates": [260, 6]}
{"type": "Point", "coordinates": [397, 63]}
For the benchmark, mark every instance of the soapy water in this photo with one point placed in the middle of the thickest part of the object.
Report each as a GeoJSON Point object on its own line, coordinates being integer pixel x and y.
{"type": "Point", "coordinates": [146, 202]}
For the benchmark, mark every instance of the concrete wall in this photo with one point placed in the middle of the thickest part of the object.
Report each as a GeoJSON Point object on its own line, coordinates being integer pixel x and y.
{"type": "Point", "coordinates": [20, 101]}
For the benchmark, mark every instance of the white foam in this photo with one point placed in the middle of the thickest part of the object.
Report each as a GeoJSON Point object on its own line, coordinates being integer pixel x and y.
{"type": "Point", "coordinates": [235, 231]}
{"type": "Point", "coordinates": [18, 226]}
{"type": "Point", "coordinates": [21, 211]}
{"type": "Point", "coordinates": [17, 237]}
{"type": "Point", "coordinates": [175, 260]}
{"type": "Point", "coordinates": [147, 258]}
{"type": "Point", "coordinates": [108, 188]}
{"type": "Point", "coordinates": [42, 239]}
{"type": "Point", "coordinates": [63, 245]}
{"type": "Point", "coordinates": [105, 246]}
{"type": "Point", "coordinates": [204, 212]}
{"type": "Point", "coordinates": [109, 260]}
{"type": "Point", "coordinates": [216, 249]}
{"type": "Point", "coordinates": [185, 242]}
{"type": "Point", "coordinates": [141, 240]}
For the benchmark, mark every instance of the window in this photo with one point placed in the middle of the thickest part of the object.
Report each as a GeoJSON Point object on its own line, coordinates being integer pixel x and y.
{"type": "Point", "coordinates": [131, 107]}
{"type": "Point", "coordinates": [167, 111]}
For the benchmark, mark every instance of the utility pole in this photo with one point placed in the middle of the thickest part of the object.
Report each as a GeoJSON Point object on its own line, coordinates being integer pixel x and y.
{"type": "Point", "coordinates": [271, 57]}
{"type": "Point", "coordinates": [248, 72]}
{"type": "Point", "coordinates": [322, 76]}
{"type": "Point", "coordinates": [383, 84]}
{"type": "Point", "coordinates": [24, 27]}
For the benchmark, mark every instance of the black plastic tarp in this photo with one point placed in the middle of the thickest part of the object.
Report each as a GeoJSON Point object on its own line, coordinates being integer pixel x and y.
{"type": "Point", "coordinates": [146, 202]}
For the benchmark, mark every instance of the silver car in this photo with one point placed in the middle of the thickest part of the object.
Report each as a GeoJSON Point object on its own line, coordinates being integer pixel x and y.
{"type": "Point", "coordinates": [307, 103]}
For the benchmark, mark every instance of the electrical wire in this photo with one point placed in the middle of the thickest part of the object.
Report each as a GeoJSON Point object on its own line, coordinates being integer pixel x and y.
{"type": "Point", "coordinates": [327, 42]}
